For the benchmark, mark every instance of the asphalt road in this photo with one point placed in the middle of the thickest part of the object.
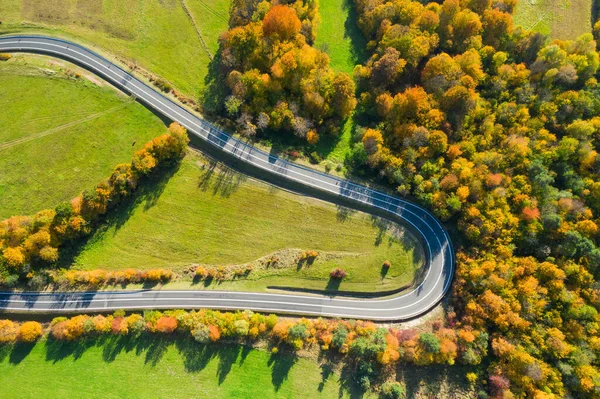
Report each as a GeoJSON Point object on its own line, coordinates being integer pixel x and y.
{"type": "Point", "coordinates": [437, 246]}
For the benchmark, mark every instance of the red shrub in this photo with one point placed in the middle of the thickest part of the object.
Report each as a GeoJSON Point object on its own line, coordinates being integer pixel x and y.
{"type": "Point", "coordinates": [166, 324]}
{"type": "Point", "coordinates": [338, 273]}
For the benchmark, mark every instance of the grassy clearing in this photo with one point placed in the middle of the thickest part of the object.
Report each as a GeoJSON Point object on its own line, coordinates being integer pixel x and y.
{"type": "Point", "coordinates": [339, 36]}
{"type": "Point", "coordinates": [159, 36]}
{"type": "Point", "coordinates": [160, 368]}
{"type": "Point", "coordinates": [61, 134]}
{"type": "Point", "coordinates": [208, 215]}
{"type": "Point", "coordinates": [561, 19]}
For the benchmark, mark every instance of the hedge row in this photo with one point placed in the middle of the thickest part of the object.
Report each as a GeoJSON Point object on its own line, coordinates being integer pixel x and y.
{"type": "Point", "coordinates": [347, 337]}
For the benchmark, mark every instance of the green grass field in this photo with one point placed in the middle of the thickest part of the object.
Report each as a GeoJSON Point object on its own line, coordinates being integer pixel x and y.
{"type": "Point", "coordinates": [61, 135]}
{"type": "Point", "coordinates": [339, 36]}
{"type": "Point", "coordinates": [207, 215]}
{"type": "Point", "coordinates": [561, 19]}
{"type": "Point", "coordinates": [160, 368]}
{"type": "Point", "coordinates": [157, 35]}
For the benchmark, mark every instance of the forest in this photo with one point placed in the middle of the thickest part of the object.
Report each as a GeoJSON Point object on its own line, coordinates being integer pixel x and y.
{"type": "Point", "coordinates": [494, 128]}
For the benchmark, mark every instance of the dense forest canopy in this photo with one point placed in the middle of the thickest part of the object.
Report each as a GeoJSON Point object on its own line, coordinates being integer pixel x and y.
{"type": "Point", "coordinates": [494, 128]}
{"type": "Point", "coordinates": [274, 78]}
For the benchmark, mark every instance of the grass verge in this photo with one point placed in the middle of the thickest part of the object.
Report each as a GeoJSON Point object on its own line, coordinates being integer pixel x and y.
{"type": "Point", "coordinates": [152, 366]}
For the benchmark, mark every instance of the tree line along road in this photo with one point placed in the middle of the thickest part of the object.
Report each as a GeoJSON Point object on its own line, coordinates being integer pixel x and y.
{"type": "Point", "coordinates": [428, 291]}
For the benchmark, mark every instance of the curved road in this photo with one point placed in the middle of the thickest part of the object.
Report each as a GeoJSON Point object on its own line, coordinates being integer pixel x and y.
{"type": "Point", "coordinates": [437, 245]}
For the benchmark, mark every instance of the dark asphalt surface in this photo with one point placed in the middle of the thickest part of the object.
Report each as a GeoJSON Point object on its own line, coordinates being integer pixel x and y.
{"type": "Point", "coordinates": [436, 242]}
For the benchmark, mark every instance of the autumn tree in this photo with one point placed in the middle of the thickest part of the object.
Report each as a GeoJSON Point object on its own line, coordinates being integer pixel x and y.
{"type": "Point", "coordinates": [281, 21]}
{"type": "Point", "coordinates": [29, 331]}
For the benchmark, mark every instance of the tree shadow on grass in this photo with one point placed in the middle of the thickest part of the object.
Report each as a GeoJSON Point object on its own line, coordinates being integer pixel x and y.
{"type": "Point", "coordinates": [359, 43]}
{"type": "Point", "coordinates": [281, 364]}
{"type": "Point", "coordinates": [348, 386]}
{"type": "Point", "coordinates": [60, 350]}
{"type": "Point", "coordinates": [227, 357]}
{"type": "Point", "coordinates": [383, 272]}
{"type": "Point", "coordinates": [344, 214]}
{"type": "Point", "coordinates": [333, 284]}
{"type": "Point", "coordinates": [330, 362]}
{"type": "Point", "coordinates": [383, 226]}
{"type": "Point", "coordinates": [5, 350]}
{"type": "Point", "coordinates": [326, 372]}
{"type": "Point", "coordinates": [222, 180]}
{"type": "Point", "coordinates": [156, 350]}
{"type": "Point", "coordinates": [152, 347]}
{"type": "Point", "coordinates": [20, 352]}
{"type": "Point", "coordinates": [146, 195]}
{"type": "Point", "coordinates": [244, 354]}
{"type": "Point", "coordinates": [196, 356]}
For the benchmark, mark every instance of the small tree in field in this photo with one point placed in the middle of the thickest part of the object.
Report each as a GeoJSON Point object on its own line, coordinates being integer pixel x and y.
{"type": "Point", "coordinates": [338, 274]}
{"type": "Point", "coordinates": [387, 264]}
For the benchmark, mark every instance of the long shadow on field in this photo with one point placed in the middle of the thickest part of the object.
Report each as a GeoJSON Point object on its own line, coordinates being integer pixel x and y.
{"type": "Point", "coordinates": [281, 364]}
{"type": "Point", "coordinates": [20, 352]}
{"type": "Point", "coordinates": [197, 356]}
{"type": "Point", "coordinates": [343, 213]}
{"type": "Point", "coordinates": [5, 350]}
{"type": "Point", "coordinates": [359, 44]}
{"type": "Point", "coordinates": [145, 197]}
{"type": "Point", "coordinates": [152, 347]}
{"type": "Point", "coordinates": [222, 180]}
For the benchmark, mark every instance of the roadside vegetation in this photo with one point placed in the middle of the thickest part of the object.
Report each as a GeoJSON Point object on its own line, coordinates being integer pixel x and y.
{"type": "Point", "coordinates": [265, 228]}
{"type": "Point", "coordinates": [493, 127]}
{"type": "Point", "coordinates": [351, 355]}
{"type": "Point", "coordinates": [276, 80]}
{"type": "Point", "coordinates": [89, 129]}
{"type": "Point", "coordinates": [34, 241]}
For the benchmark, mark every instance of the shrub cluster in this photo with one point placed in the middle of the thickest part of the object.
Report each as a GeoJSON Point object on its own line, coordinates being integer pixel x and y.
{"type": "Point", "coordinates": [366, 348]}
{"type": "Point", "coordinates": [27, 332]}
{"type": "Point", "coordinates": [99, 277]}
{"type": "Point", "coordinates": [308, 256]}
{"type": "Point", "coordinates": [337, 274]}
{"type": "Point", "coordinates": [222, 273]}
{"type": "Point", "coordinates": [162, 84]}
{"type": "Point", "coordinates": [28, 240]}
